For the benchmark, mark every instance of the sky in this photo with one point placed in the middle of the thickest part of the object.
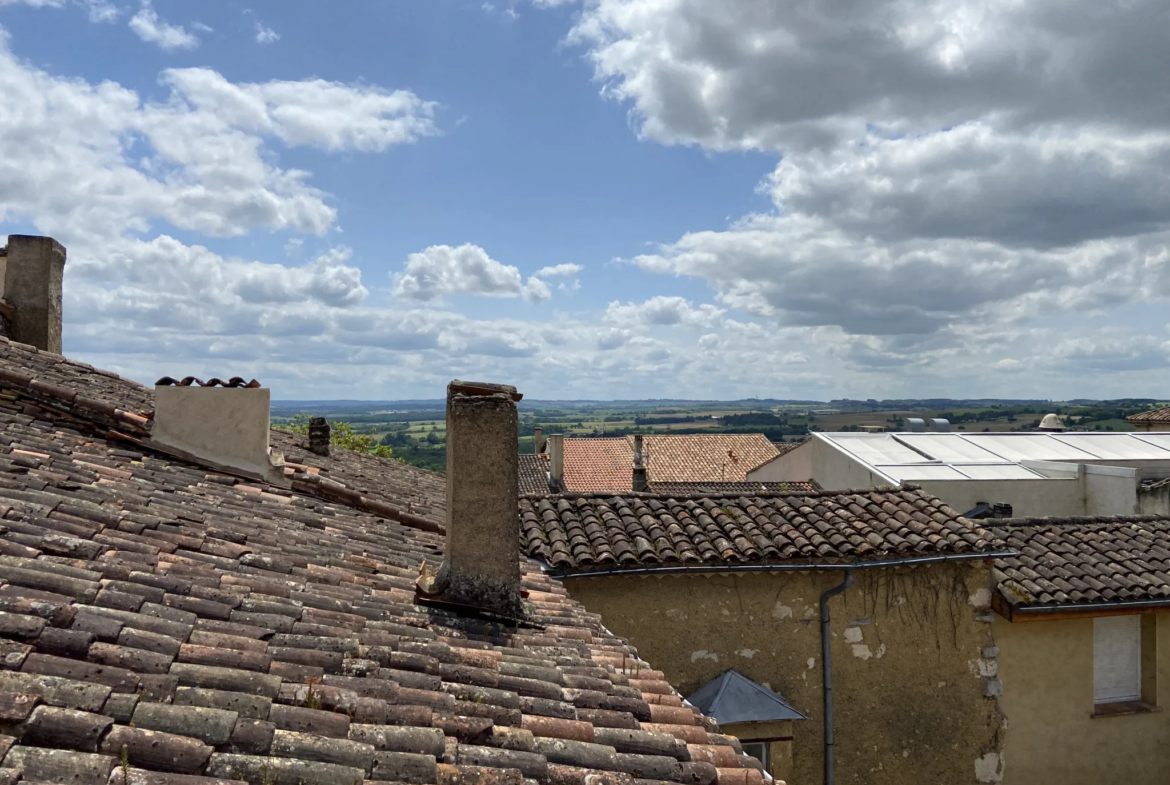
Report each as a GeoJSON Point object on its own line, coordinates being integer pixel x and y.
{"type": "Point", "coordinates": [596, 199]}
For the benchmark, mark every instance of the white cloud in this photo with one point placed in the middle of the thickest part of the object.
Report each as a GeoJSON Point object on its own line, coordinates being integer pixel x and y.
{"type": "Point", "coordinates": [94, 161]}
{"type": "Point", "coordinates": [661, 311]}
{"type": "Point", "coordinates": [154, 30]}
{"type": "Point", "coordinates": [266, 35]}
{"type": "Point", "coordinates": [441, 270]}
{"type": "Point", "coordinates": [949, 171]}
{"type": "Point", "coordinates": [559, 270]}
{"type": "Point", "coordinates": [97, 10]}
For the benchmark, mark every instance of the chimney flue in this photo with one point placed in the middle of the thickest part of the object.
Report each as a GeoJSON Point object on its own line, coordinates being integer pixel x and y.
{"type": "Point", "coordinates": [538, 440]}
{"type": "Point", "coordinates": [482, 564]}
{"type": "Point", "coordinates": [32, 275]}
{"type": "Point", "coordinates": [319, 433]}
{"type": "Point", "coordinates": [640, 481]}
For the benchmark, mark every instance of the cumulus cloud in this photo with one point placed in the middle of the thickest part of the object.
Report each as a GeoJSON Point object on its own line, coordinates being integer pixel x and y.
{"type": "Point", "coordinates": [561, 270]}
{"type": "Point", "coordinates": [97, 10]}
{"type": "Point", "coordinates": [266, 35]}
{"type": "Point", "coordinates": [663, 311]}
{"type": "Point", "coordinates": [151, 28]}
{"type": "Point", "coordinates": [947, 171]}
{"type": "Point", "coordinates": [442, 270]}
{"type": "Point", "coordinates": [96, 161]}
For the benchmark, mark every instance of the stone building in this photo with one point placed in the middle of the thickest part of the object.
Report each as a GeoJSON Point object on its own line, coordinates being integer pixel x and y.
{"type": "Point", "coordinates": [703, 585]}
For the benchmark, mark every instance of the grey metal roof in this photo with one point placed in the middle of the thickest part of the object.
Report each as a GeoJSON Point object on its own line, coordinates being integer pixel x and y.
{"type": "Point", "coordinates": [733, 697]}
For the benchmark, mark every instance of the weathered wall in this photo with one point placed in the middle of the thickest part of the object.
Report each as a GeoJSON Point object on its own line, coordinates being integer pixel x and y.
{"type": "Point", "coordinates": [778, 737]}
{"type": "Point", "coordinates": [1047, 673]}
{"type": "Point", "coordinates": [1154, 499]}
{"type": "Point", "coordinates": [907, 648]}
{"type": "Point", "coordinates": [1027, 497]}
{"type": "Point", "coordinates": [820, 461]}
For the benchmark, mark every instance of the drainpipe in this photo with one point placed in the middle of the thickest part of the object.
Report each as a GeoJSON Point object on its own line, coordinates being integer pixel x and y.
{"type": "Point", "coordinates": [827, 666]}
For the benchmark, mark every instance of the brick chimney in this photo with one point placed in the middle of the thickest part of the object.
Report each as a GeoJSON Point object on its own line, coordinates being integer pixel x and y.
{"type": "Point", "coordinates": [33, 270]}
{"type": "Point", "coordinates": [224, 425]}
{"type": "Point", "coordinates": [319, 432]}
{"type": "Point", "coordinates": [481, 568]}
{"type": "Point", "coordinates": [640, 481]}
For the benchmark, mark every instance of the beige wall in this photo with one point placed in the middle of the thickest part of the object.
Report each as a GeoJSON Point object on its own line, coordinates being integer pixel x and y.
{"type": "Point", "coordinates": [907, 644]}
{"type": "Point", "coordinates": [778, 737]}
{"type": "Point", "coordinates": [818, 460]}
{"type": "Point", "coordinates": [1047, 673]}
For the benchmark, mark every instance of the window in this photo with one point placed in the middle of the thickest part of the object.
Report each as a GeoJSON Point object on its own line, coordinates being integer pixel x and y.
{"type": "Point", "coordinates": [1117, 659]}
{"type": "Point", "coordinates": [758, 750]}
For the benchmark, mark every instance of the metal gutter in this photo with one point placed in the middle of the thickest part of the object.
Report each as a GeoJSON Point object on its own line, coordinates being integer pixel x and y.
{"type": "Point", "coordinates": [806, 566]}
{"type": "Point", "coordinates": [827, 670]}
{"type": "Point", "coordinates": [1090, 606]}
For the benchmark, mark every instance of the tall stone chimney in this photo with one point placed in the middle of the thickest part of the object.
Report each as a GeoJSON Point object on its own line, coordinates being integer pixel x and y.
{"type": "Point", "coordinates": [482, 564]}
{"type": "Point", "coordinates": [33, 271]}
{"type": "Point", "coordinates": [538, 440]}
{"type": "Point", "coordinates": [641, 482]}
{"type": "Point", "coordinates": [556, 458]}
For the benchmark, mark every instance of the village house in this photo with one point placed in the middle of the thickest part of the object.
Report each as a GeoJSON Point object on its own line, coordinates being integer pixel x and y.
{"type": "Point", "coordinates": [892, 584]}
{"type": "Point", "coordinates": [1083, 632]}
{"type": "Point", "coordinates": [1153, 420]}
{"type": "Point", "coordinates": [588, 465]}
{"type": "Point", "coordinates": [190, 598]}
{"type": "Point", "coordinates": [979, 474]}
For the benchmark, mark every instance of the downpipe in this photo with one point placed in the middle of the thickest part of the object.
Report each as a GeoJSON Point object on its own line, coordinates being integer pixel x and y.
{"type": "Point", "coordinates": [827, 668]}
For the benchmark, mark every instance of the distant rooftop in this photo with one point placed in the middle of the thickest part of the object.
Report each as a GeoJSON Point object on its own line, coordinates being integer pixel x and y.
{"type": "Point", "coordinates": [912, 457]}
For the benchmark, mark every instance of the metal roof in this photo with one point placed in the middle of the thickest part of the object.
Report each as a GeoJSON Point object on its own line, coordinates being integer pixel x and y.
{"type": "Point", "coordinates": [733, 697]}
{"type": "Point", "coordinates": [911, 457]}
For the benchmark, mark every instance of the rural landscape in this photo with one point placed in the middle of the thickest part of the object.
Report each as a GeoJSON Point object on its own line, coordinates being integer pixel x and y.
{"type": "Point", "coordinates": [414, 431]}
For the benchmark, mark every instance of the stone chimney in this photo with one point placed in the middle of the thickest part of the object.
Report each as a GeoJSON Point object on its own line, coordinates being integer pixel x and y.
{"type": "Point", "coordinates": [220, 424]}
{"type": "Point", "coordinates": [640, 481]}
{"type": "Point", "coordinates": [319, 436]}
{"type": "Point", "coordinates": [482, 565]}
{"type": "Point", "coordinates": [538, 440]}
{"type": "Point", "coordinates": [32, 273]}
{"type": "Point", "coordinates": [556, 459]}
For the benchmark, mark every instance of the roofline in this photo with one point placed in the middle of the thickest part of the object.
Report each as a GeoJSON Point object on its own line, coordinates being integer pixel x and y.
{"type": "Point", "coordinates": [822, 492]}
{"type": "Point", "coordinates": [716, 569]}
{"type": "Point", "coordinates": [1076, 610]}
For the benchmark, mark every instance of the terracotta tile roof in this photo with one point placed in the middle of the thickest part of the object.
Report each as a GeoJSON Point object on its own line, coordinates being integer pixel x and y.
{"type": "Point", "coordinates": [735, 488]}
{"type": "Point", "coordinates": [161, 624]}
{"type": "Point", "coordinates": [1154, 415]}
{"type": "Point", "coordinates": [599, 464]}
{"type": "Point", "coordinates": [1084, 560]}
{"type": "Point", "coordinates": [533, 473]}
{"type": "Point", "coordinates": [726, 457]}
{"type": "Point", "coordinates": [605, 464]}
{"type": "Point", "coordinates": [594, 531]}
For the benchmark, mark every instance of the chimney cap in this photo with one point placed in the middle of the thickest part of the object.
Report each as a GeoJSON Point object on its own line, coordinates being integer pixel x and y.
{"type": "Point", "coordinates": [191, 381]}
{"type": "Point", "coordinates": [483, 388]}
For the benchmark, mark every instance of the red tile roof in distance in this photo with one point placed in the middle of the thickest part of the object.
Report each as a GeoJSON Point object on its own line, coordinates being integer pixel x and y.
{"type": "Point", "coordinates": [606, 464]}
{"type": "Point", "coordinates": [1154, 415]}
{"type": "Point", "coordinates": [597, 532]}
{"type": "Point", "coordinates": [162, 624]}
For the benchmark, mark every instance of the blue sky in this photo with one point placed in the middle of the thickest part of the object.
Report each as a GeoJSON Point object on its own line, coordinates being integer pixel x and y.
{"type": "Point", "coordinates": [363, 200]}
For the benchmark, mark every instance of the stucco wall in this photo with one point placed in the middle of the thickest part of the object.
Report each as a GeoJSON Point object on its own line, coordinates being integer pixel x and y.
{"type": "Point", "coordinates": [907, 647]}
{"type": "Point", "coordinates": [819, 460]}
{"type": "Point", "coordinates": [1047, 673]}
{"type": "Point", "coordinates": [1154, 500]}
{"type": "Point", "coordinates": [1027, 497]}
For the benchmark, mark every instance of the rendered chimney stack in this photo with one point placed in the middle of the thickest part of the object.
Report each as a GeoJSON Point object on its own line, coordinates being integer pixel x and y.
{"type": "Point", "coordinates": [482, 566]}
{"type": "Point", "coordinates": [538, 440]}
{"type": "Point", "coordinates": [33, 271]}
{"type": "Point", "coordinates": [319, 432]}
{"type": "Point", "coordinates": [640, 482]}
{"type": "Point", "coordinates": [223, 426]}
{"type": "Point", "coordinates": [556, 457]}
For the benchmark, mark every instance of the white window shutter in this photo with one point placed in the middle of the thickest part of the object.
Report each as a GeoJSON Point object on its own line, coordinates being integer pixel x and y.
{"type": "Point", "coordinates": [1117, 659]}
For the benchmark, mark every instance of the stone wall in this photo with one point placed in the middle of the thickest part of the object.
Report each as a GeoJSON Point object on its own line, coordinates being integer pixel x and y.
{"type": "Point", "coordinates": [913, 657]}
